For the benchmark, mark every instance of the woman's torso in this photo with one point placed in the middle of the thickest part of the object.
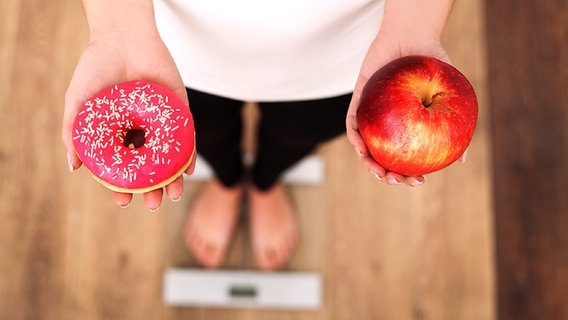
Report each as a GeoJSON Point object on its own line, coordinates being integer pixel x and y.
{"type": "Point", "coordinates": [269, 50]}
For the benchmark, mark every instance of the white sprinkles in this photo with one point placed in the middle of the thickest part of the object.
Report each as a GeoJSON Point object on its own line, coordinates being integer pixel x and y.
{"type": "Point", "coordinates": [105, 122]}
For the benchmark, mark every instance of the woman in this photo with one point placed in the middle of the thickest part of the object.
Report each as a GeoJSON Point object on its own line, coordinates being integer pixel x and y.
{"type": "Point", "coordinates": [303, 61]}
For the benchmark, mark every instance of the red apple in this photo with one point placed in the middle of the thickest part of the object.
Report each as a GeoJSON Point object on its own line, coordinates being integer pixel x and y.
{"type": "Point", "coordinates": [417, 115]}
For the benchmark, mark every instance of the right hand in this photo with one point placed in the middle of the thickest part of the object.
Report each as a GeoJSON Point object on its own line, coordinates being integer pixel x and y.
{"type": "Point", "coordinates": [111, 58]}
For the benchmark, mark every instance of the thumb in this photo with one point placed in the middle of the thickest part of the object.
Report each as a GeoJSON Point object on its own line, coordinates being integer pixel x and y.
{"type": "Point", "coordinates": [71, 107]}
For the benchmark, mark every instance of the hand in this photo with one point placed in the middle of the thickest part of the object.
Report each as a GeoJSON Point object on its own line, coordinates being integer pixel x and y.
{"type": "Point", "coordinates": [383, 50]}
{"type": "Point", "coordinates": [115, 57]}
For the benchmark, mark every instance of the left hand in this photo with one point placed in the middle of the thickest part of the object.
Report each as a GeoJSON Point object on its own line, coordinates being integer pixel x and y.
{"type": "Point", "coordinates": [384, 49]}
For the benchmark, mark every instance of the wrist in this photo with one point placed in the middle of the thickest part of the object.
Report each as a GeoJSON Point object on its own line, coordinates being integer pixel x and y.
{"type": "Point", "coordinates": [119, 17]}
{"type": "Point", "coordinates": [416, 20]}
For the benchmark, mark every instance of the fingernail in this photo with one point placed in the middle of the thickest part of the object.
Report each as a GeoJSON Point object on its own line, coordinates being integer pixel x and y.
{"type": "Point", "coordinates": [416, 183]}
{"type": "Point", "coordinates": [464, 156]}
{"type": "Point", "coordinates": [358, 152]}
{"type": "Point", "coordinates": [124, 206]}
{"type": "Point", "coordinates": [393, 181]}
{"type": "Point", "coordinates": [154, 210]}
{"type": "Point", "coordinates": [177, 200]}
{"type": "Point", "coordinates": [376, 175]}
{"type": "Point", "coordinates": [71, 168]}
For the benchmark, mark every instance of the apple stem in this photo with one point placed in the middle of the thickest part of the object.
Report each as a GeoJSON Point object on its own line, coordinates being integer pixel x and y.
{"type": "Point", "coordinates": [430, 100]}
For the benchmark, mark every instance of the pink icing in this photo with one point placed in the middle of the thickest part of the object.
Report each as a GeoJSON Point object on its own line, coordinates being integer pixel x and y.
{"type": "Point", "coordinates": [102, 123]}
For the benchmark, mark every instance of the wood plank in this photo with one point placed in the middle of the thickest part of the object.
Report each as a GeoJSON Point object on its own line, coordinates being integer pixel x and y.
{"type": "Point", "coordinates": [33, 230]}
{"type": "Point", "coordinates": [528, 74]}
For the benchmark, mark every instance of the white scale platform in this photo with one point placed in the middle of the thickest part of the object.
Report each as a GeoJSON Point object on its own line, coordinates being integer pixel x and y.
{"type": "Point", "coordinates": [242, 289]}
{"type": "Point", "coordinates": [309, 171]}
{"type": "Point", "coordinates": [248, 289]}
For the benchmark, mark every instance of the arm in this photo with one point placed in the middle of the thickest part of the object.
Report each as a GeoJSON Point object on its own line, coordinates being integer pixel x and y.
{"type": "Point", "coordinates": [409, 27]}
{"type": "Point", "coordinates": [124, 45]}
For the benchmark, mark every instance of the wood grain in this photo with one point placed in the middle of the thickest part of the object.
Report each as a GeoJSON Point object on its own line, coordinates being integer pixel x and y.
{"type": "Point", "coordinates": [528, 78]}
{"type": "Point", "coordinates": [67, 252]}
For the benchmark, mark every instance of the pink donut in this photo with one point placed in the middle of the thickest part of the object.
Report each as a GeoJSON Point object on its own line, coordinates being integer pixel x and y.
{"type": "Point", "coordinates": [135, 137]}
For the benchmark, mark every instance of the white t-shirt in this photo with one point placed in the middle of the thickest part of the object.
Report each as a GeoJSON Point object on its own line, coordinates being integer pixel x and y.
{"type": "Point", "coordinates": [262, 50]}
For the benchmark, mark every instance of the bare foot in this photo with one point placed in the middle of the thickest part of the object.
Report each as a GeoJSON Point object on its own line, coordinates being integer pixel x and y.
{"type": "Point", "coordinates": [209, 228]}
{"type": "Point", "coordinates": [273, 226]}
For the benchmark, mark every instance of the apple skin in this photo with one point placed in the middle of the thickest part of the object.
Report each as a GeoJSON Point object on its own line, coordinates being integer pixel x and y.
{"type": "Point", "coordinates": [417, 115]}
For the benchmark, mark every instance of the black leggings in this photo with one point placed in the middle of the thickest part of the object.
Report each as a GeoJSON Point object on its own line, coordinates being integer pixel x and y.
{"type": "Point", "coordinates": [287, 132]}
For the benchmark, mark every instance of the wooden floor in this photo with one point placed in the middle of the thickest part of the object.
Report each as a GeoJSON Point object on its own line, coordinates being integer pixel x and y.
{"type": "Point", "coordinates": [528, 81]}
{"type": "Point", "coordinates": [67, 252]}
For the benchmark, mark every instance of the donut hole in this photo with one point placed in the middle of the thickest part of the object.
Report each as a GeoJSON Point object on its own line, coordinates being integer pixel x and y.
{"type": "Point", "coordinates": [135, 138]}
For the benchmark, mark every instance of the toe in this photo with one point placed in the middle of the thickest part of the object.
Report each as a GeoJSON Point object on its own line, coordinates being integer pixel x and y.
{"type": "Point", "coordinates": [191, 238]}
{"type": "Point", "coordinates": [266, 259]}
{"type": "Point", "coordinates": [211, 222]}
{"type": "Point", "coordinates": [207, 253]}
{"type": "Point", "coordinates": [212, 256]}
{"type": "Point", "coordinates": [272, 258]}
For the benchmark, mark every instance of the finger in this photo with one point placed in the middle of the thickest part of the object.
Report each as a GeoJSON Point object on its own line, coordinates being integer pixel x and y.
{"type": "Point", "coordinates": [393, 178]}
{"type": "Point", "coordinates": [414, 181]}
{"type": "Point", "coordinates": [374, 168]}
{"type": "Point", "coordinates": [463, 156]}
{"type": "Point", "coordinates": [361, 150]}
{"type": "Point", "coordinates": [73, 160]}
{"type": "Point", "coordinates": [354, 136]}
{"type": "Point", "coordinates": [189, 171]}
{"type": "Point", "coordinates": [181, 92]}
{"type": "Point", "coordinates": [153, 199]}
{"type": "Point", "coordinates": [122, 199]}
{"type": "Point", "coordinates": [70, 161]}
{"type": "Point", "coordinates": [174, 190]}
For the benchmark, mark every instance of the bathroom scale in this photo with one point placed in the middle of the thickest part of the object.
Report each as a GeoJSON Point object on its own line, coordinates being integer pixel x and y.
{"type": "Point", "coordinates": [242, 289]}
{"type": "Point", "coordinates": [248, 289]}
